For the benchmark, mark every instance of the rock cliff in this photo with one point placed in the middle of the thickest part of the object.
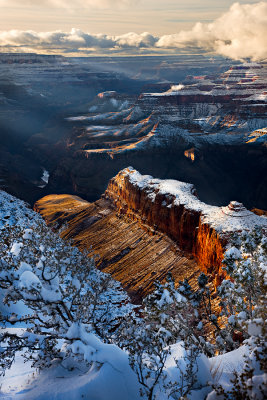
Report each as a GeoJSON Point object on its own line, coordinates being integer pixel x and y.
{"type": "Point", "coordinates": [143, 227]}
{"type": "Point", "coordinates": [173, 208]}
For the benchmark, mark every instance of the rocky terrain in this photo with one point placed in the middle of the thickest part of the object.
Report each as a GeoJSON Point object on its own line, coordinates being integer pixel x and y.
{"type": "Point", "coordinates": [200, 131]}
{"type": "Point", "coordinates": [220, 108]}
{"type": "Point", "coordinates": [143, 228]}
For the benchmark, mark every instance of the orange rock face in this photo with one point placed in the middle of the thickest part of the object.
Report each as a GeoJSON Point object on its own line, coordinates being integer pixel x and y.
{"type": "Point", "coordinates": [209, 250]}
{"type": "Point", "coordinates": [143, 228]}
{"type": "Point", "coordinates": [131, 252]}
{"type": "Point", "coordinates": [182, 225]}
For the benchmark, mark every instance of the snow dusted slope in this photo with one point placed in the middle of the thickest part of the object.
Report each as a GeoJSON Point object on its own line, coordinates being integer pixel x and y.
{"type": "Point", "coordinates": [14, 212]}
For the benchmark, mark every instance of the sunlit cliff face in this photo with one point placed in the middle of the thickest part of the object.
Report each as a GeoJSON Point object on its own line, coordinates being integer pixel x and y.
{"type": "Point", "coordinates": [144, 227]}
{"type": "Point", "coordinates": [190, 153]}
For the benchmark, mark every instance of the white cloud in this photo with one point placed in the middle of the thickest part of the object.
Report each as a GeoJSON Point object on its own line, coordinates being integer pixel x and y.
{"type": "Point", "coordinates": [239, 33]}
{"type": "Point", "coordinates": [132, 39]}
{"type": "Point", "coordinates": [75, 39]}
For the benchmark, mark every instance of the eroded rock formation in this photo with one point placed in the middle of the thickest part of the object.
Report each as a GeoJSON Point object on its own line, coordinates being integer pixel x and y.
{"type": "Point", "coordinates": [143, 227]}
{"type": "Point", "coordinates": [173, 208]}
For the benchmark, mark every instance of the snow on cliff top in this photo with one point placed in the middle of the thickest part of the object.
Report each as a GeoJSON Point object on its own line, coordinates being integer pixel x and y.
{"type": "Point", "coordinates": [234, 217]}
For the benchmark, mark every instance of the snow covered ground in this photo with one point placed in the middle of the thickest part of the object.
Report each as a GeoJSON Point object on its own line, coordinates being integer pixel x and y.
{"type": "Point", "coordinates": [111, 381]}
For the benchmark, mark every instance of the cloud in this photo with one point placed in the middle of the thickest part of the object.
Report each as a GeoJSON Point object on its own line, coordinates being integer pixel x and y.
{"type": "Point", "coordinates": [76, 39]}
{"type": "Point", "coordinates": [239, 33]}
{"type": "Point", "coordinates": [69, 4]}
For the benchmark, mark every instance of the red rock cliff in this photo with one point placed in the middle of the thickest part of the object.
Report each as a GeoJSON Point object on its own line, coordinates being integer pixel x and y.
{"type": "Point", "coordinates": [173, 208]}
{"type": "Point", "coordinates": [144, 228]}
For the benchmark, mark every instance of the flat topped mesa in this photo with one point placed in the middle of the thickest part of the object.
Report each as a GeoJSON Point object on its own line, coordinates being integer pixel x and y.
{"type": "Point", "coordinates": [142, 228]}
{"type": "Point", "coordinates": [172, 207]}
{"type": "Point", "coordinates": [172, 193]}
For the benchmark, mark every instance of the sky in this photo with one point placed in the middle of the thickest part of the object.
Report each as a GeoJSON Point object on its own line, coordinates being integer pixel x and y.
{"type": "Point", "coordinates": [118, 26]}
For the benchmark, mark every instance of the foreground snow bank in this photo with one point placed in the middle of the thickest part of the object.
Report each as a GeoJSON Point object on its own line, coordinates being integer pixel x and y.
{"type": "Point", "coordinates": [72, 380]}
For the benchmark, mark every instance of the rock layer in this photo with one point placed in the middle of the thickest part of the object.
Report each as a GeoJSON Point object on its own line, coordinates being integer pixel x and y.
{"type": "Point", "coordinates": [134, 254]}
{"type": "Point", "coordinates": [173, 208]}
{"type": "Point", "coordinates": [143, 228]}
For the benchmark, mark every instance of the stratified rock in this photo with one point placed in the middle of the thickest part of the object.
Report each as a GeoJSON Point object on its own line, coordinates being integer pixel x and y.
{"type": "Point", "coordinates": [173, 208]}
{"type": "Point", "coordinates": [143, 228]}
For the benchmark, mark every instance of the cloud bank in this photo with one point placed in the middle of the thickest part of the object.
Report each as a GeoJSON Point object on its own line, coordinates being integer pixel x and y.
{"type": "Point", "coordinates": [75, 40]}
{"type": "Point", "coordinates": [239, 33]}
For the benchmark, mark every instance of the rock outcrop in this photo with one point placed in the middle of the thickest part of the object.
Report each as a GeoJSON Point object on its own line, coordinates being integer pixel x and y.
{"type": "Point", "coordinates": [134, 254]}
{"type": "Point", "coordinates": [173, 208]}
{"type": "Point", "coordinates": [143, 228]}
{"type": "Point", "coordinates": [233, 101]}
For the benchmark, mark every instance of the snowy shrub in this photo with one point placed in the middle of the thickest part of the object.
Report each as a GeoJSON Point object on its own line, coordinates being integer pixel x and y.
{"type": "Point", "coordinates": [152, 342]}
{"type": "Point", "coordinates": [206, 323]}
{"type": "Point", "coordinates": [47, 287]}
{"type": "Point", "coordinates": [243, 305]}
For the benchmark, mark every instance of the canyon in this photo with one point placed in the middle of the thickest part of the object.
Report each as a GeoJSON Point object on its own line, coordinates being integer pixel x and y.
{"type": "Point", "coordinates": [142, 228]}
{"type": "Point", "coordinates": [83, 120]}
{"type": "Point", "coordinates": [199, 131]}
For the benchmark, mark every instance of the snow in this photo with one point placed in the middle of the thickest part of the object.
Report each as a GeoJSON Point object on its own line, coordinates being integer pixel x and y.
{"type": "Point", "coordinates": [254, 327]}
{"type": "Point", "coordinates": [94, 349]}
{"type": "Point", "coordinates": [108, 375]}
{"type": "Point", "coordinates": [165, 298]}
{"type": "Point", "coordinates": [200, 326]}
{"type": "Point", "coordinates": [24, 267]}
{"type": "Point", "coordinates": [99, 382]}
{"type": "Point", "coordinates": [178, 354]}
{"type": "Point", "coordinates": [223, 367]}
{"type": "Point", "coordinates": [50, 295]}
{"type": "Point", "coordinates": [16, 248]}
{"type": "Point", "coordinates": [233, 252]}
{"type": "Point", "coordinates": [176, 88]}
{"type": "Point", "coordinates": [29, 280]}
{"type": "Point", "coordinates": [44, 178]}
{"type": "Point", "coordinates": [27, 234]}
{"type": "Point", "coordinates": [16, 379]}
{"type": "Point", "coordinates": [16, 212]}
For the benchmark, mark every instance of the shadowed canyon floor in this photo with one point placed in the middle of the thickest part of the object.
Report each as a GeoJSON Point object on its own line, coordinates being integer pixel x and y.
{"type": "Point", "coordinates": [134, 254]}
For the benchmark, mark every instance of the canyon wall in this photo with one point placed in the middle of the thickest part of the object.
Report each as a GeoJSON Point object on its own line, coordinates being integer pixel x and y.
{"type": "Point", "coordinates": [160, 212]}
{"type": "Point", "coordinates": [173, 208]}
{"type": "Point", "coordinates": [142, 228]}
